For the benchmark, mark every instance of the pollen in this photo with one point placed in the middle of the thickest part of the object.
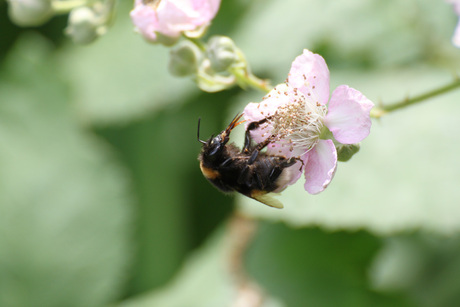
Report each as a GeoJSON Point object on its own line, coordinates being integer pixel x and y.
{"type": "Point", "coordinates": [298, 123]}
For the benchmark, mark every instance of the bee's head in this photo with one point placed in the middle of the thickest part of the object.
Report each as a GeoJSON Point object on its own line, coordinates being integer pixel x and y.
{"type": "Point", "coordinates": [215, 144]}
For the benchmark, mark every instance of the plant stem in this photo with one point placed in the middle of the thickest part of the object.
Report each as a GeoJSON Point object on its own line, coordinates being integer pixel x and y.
{"type": "Point", "coordinates": [251, 80]}
{"type": "Point", "coordinates": [64, 7]}
{"type": "Point", "coordinates": [241, 233]}
{"type": "Point", "coordinates": [378, 112]}
{"type": "Point", "coordinates": [197, 42]}
{"type": "Point", "coordinates": [242, 74]}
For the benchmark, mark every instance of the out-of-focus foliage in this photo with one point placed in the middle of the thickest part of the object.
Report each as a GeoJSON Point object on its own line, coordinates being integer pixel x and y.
{"type": "Point", "coordinates": [206, 269]}
{"type": "Point", "coordinates": [304, 265]}
{"type": "Point", "coordinates": [430, 264]}
{"type": "Point", "coordinates": [64, 203]}
{"type": "Point", "coordinates": [102, 200]}
{"type": "Point", "coordinates": [121, 77]}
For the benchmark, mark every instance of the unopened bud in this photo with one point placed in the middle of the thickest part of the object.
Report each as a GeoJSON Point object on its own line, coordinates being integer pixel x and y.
{"type": "Point", "coordinates": [184, 59]}
{"type": "Point", "coordinates": [30, 12]}
{"type": "Point", "coordinates": [84, 25]}
{"type": "Point", "coordinates": [210, 81]}
{"type": "Point", "coordinates": [222, 53]}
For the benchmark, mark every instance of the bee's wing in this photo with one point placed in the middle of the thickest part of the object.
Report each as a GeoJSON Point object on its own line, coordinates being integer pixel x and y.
{"type": "Point", "coordinates": [267, 199]}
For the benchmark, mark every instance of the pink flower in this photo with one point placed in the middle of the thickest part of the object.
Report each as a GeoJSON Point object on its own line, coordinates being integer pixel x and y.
{"type": "Point", "coordinates": [298, 120]}
{"type": "Point", "coordinates": [456, 37]}
{"type": "Point", "coordinates": [165, 20]}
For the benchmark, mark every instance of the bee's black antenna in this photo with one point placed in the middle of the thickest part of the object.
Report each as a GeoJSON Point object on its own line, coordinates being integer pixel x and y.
{"type": "Point", "coordinates": [198, 133]}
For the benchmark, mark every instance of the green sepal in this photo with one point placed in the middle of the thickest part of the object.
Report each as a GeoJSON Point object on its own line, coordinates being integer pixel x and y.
{"type": "Point", "coordinates": [346, 151]}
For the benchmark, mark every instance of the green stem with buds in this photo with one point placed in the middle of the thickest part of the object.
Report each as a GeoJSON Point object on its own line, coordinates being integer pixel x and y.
{"type": "Point", "coordinates": [378, 112]}
{"type": "Point", "coordinates": [242, 74]}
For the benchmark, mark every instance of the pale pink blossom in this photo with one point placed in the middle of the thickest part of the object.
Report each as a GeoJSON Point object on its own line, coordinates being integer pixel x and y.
{"type": "Point", "coordinates": [299, 114]}
{"type": "Point", "coordinates": [165, 20]}
{"type": "Point", "coordinates": [456, 36]}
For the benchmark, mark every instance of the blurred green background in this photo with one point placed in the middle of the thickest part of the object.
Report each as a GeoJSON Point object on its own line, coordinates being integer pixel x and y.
{"type": "Point", "coordinates": [102, 201]}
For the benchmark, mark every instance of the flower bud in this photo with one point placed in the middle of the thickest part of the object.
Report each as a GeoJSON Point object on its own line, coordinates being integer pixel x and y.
{"type": "Point", "coordinates": [184, 59]}
{"type": "Point", "coordinates": [210, 81]}
{"type": "Point", "coordinates": [30, 12]}
{"type": "Point", "coordinates": [346, 151]}
{"type": "Point", "coordinates": [83, 25]}
{"type": "Point", "coordinates": [222, 53]}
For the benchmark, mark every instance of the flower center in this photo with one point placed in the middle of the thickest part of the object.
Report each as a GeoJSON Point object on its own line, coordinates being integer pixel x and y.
{"type": "Point", "coordinates": [298, 123]}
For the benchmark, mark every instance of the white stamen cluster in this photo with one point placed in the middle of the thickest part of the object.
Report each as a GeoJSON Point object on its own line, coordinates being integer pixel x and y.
{"type": "Point", "coordinates": [298, 122]}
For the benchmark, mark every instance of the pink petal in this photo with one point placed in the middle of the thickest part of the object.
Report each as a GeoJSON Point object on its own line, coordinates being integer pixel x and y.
{"type": "Point", "coordinates": [348, 115]}
{"type": "Point", "coordinates": [207, 10]}
{"type": "Point", "coordinates": [309, 74]}
{"type": "Point", "coordinates": [456, 4]}
{"type": "Point", "coordinates": [189, 14]}
{"type": "Point", "coordinates": [290, 176]}
{"type": "Point", "coordinates": [320, 166]}
{"type": "Point", "coordinates": [277, 97]}
{"type": "Point", "coordinates": [456, 37]}
{"type": "Point", "coordinates": [174, 18]}
{"type": "Point", "coordinates": [145, 20]}
{"type": "Point", "coordinates": [254, 112]}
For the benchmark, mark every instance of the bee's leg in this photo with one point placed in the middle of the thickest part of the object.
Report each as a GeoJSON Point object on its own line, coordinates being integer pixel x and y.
{"type": "Point", "coordinates": [247, 136]}
{"type": "Point", "coordinates": [280, 166]}
{"type": "Point", "coordinates": [293, 160]}
{"type": "Point", "coordinates": [301, 161]}
{"type": "Point", "coordinates": [253, 157]}
{"type": "Point", "coordinates": [258, 148]}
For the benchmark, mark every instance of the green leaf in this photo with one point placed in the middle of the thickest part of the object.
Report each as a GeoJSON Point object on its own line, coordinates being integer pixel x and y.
{"type": "Point", "coordinates": [204, 281]}
{"type": "Point", "coordinates": [358, 33]}
{"type": "Point", "coordinates": [311, 267]}
{"type": "Point", "coordinates": [64, 216]}
{"type": "Point", "coordinates": [121, 77]}
{"type": "Point", "coordinates": [423, 266]}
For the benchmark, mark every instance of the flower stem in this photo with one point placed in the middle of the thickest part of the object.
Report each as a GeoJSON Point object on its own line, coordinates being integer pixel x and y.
{"type": "Point", "coordinates": [241, 233]}
{"type": "Point", "coordinates": [240, 71]}
{"type": "Point", "coordinates": [197, 42]}
{"type": "Point", "coordinates": [249, 79]}
{"type": "Point", "coordinates": [378, 112]}
{"type": "Point", "coordinates": [63, 7]}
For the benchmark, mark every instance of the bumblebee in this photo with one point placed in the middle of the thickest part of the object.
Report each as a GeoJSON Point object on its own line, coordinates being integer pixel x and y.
{"type": "Point", "coordinates": [248, 171]}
